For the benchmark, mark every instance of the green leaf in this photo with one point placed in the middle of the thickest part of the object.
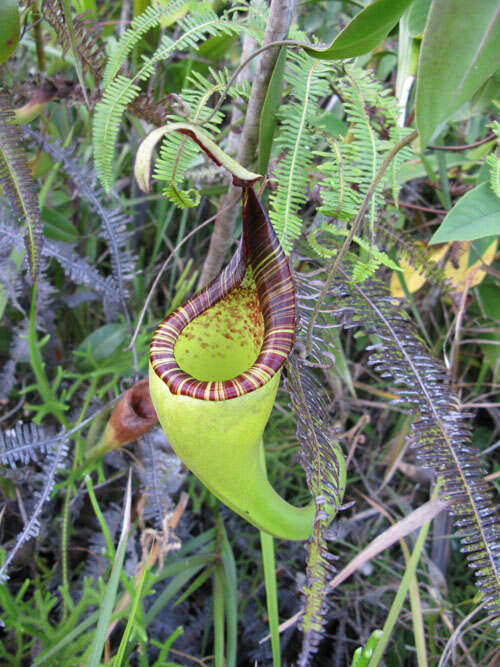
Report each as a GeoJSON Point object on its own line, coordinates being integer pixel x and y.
{"type": "Point", "coordinates": [490, 298]}
{"type": "Point", "coordinates": [486, 94]}
{"type": "Point", "coordinates": [417, 16]}
{"type": "Point", "coordinates": [268, 117]}
{"type": "Point", "coordinates": [57, 226]}
{"type": "Point", "coordinates": [475, 215]}
{"type": "Point", "coordinates": [110, 596]}
{"type": "Point", "coordinates": [458, 53]}
{"type": "Point", "coordinates": [101, 344]}
{"type": "Point", "coordinates": [366, 30]}
{"type": "Point", "coordinates": [9, 28]}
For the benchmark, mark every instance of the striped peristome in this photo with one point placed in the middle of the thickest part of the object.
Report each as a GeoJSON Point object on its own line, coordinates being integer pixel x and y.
{"type": "Point", "coordinates": [260, 250]}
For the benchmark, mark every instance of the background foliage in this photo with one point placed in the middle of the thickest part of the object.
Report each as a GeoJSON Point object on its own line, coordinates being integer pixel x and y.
{"type": "Point", "coordinates": [154, 571]}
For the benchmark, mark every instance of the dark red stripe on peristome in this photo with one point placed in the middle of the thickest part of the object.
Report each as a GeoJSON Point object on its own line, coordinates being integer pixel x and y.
{"type": "Point", "coordinates": [260, 248]}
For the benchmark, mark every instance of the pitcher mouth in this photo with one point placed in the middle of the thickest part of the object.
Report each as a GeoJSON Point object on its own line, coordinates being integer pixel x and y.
{"type": "Point", "coordinates": [258, 287]}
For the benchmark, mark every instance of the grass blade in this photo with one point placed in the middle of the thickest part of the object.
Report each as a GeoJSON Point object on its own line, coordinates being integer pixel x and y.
{"type": "Point", "coordinates": [112, 587]}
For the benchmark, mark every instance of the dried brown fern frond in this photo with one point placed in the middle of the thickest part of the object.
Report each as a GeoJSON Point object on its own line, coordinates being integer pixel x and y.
{"type": "Point", "coordinates": [91, 54]}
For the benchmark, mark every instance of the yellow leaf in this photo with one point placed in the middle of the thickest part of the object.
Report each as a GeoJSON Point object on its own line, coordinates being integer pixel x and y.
{"type": "Point", "coordinates": [456, 269]}
{"type": "Point", "coordinates": [414, 277]}
{"type": "Point", "coordinates": [461, 274]}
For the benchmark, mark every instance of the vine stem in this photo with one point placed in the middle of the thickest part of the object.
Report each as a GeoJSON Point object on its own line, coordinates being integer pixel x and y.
{"type": "Point", "coordinates": [37, 31]}
{"type": "Point", "coordinates": [354, 230]}
{"type": "Point", "coordinates": [278, 24]}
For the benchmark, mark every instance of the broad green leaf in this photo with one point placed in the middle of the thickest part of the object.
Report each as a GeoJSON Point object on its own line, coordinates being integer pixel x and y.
{"type": "Point", "coordinates": [459, 52]}
{"type": "Point", "coordinates": [490, 299]}
{"type": "Point", "coordinates": [486, 94]}
{"type": "Point", "coordinates": [101, 345]}
{"type": "Point", "coordinates": [475, 215]}
{"type": "Point", "coordinates": [417, 16]}
{"type": "Point", "coordinates": [366, 30]}
{"type": "Point", "coordinates": [9, 28]}
{"type": "Point", "coordinates": [269, 117]}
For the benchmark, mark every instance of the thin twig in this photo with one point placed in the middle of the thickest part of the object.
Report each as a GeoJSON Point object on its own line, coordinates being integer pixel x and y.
{"type": "Point", "coordinates": [464, 147]}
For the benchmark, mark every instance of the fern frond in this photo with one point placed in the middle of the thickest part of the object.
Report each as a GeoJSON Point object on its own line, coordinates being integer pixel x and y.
{"type": "Point", "coordinates": [113, 221]}
{"type": "Point", "coordinates": [417, 255]}
{"type": "Point", "coordinates": [17, 183]}
{"type": "Point", "coordinates": [177, 153]}
{"type": "Point", "coordinates": [23, 443]}
{"type": "Point", "coordinates": [361, 269]}
{"type": "Point", "coordinates": [76, 268]}
{"type": "Point", "coordinates": [121, 91]}
{"type": "Point", "coordinates": [160, 476]}
{"type": "Point", "coordinates": [152, 112]}
{"type": "Point", "coordinates": [439, 434]}
{"type": "Point", "coordinates": [353, 163]}
{"type": "Point", "coordinates": [89, 51]}
{"type": "Point", "coordinates": [308, 80]}
{"type": "Point", "coordinates": [107, 120]}
{"type": "Point", "coordinates": [53, 464]}
{"type": "Point", "coordinates": [151, 17]}
{"type": "Point", "coordinates": [320, 455]}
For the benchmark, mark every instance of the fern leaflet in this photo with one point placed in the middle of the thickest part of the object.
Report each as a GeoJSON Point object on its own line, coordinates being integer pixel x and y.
{"type": "Point", "coordinates": [18, 184]}
{"type": "Point", "coordinates": [308, 80]}
{"type": "Point", "coordinates": [123, 90]}
{"type": "Point", "coordinates": [177, 153]}
{"type": "Point", "coordinates": [148, 19]}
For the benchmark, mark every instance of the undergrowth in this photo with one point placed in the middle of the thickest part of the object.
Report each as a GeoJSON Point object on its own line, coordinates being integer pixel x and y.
{"type": "Point", "coordinates": [395, 365]}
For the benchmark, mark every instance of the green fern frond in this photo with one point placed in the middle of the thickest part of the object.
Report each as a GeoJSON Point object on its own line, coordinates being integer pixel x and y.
{"type": "Point", "coordinates": [178, 153]}
{"type": "Point", "coordinates": [362, 269]}
{"type": "Point", "coordinates": [146, 21]}
{"type": "Point", "coordinates": [18, 184]}
{"type": "Point", "coordinates": [122, 90]}
{"type": "Point", "coordinates": [182, 198]}
{"type": "Point", "coordinates": [493, 162]}
{"type": "Point", "coordinates": [107, 120]}
{"type": "Point", "coordinates": [308, 80]}
{"type": "Point", "coordinates": [353, 162]}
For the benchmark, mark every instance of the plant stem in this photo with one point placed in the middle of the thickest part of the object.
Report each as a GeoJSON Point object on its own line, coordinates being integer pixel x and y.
{"type": "Point", "coordinates": [354, 230]}
{"type": "Point", "coordinates": [280, 16]}
{"type": "Point", "coordinates": [37, 31]}
{"type": "Point", "coordinates": [267, 542]}
{"type": "Point", "coordinates": [218, 602]}
{"type": "Point", "coordinates": [67, 500]}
